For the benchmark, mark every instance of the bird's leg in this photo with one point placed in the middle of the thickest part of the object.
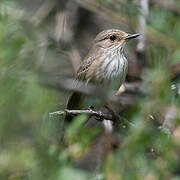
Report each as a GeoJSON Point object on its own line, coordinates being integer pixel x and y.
{"type": "Point", "coordinates": [120, 90]}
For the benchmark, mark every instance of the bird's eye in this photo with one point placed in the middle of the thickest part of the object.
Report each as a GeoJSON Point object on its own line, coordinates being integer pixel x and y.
{"type": "Point", "coordinates": [112, 38]}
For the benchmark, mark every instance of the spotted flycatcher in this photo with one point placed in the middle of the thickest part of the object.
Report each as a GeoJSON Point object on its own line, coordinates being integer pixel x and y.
{"type": "Point", "coordinates": [105, 60]}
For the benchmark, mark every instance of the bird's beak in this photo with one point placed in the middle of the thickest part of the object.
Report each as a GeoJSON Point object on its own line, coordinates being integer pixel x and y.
{"type": "Point", "coordinates": [131, 36]}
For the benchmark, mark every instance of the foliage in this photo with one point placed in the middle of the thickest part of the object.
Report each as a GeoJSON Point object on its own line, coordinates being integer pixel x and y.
{"type": "Point", "coordinates": [30, 146]}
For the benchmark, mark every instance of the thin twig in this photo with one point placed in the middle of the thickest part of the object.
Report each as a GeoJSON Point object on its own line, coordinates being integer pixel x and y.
{"type": "Point", "coordinates": [91, 112]}
{"type": "Point", "coordinates": [101, 116]}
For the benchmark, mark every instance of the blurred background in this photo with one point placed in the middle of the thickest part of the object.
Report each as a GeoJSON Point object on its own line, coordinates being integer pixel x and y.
{"type": "Point", "coordinates": [42, 43]}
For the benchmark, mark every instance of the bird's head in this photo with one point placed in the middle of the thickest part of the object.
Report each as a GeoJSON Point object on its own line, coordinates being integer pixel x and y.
{"type": "Point", "coordinates": [113, 38]}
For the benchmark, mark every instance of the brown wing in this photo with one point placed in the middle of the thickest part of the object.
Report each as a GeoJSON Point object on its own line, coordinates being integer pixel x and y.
{"type": "Point", "coordinates": [86, 63]}
{"type": "Point", "coordinates": [83, 69]}
{"type": "Point", "coordinates": [74, 101]}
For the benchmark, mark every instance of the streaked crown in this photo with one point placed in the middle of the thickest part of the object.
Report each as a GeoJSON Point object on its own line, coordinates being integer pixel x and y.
{"type": "Point", "coordinates": [113, 37]}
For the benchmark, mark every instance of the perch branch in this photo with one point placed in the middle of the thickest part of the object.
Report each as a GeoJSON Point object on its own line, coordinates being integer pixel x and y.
{"type": "Point", "coordinates": [101, 116]}
{"type": "Point", "coordinates": [91, 112]}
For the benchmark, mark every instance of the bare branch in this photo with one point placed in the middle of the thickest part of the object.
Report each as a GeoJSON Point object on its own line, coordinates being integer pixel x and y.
{"type": "Point", "coordinates": [101, 116]}
{"type": "Point", "coordinates": [105, 118]}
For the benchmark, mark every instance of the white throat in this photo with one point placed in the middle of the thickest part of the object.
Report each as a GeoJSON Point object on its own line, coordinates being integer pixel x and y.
{"type": "Point", "coordinates": [114, 65]}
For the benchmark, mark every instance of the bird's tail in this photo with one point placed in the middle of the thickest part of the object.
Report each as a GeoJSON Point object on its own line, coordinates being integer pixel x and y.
{"type": "Point", "coordinates": [73, 102]}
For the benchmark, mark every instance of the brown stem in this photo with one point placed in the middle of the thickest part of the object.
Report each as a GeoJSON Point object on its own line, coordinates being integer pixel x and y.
{"type": "Point", "coordinates": [91, 112]}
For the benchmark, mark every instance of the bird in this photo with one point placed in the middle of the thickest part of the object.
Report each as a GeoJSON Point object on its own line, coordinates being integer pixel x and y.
{"type": "Point", "coordinates": [104, 62]}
